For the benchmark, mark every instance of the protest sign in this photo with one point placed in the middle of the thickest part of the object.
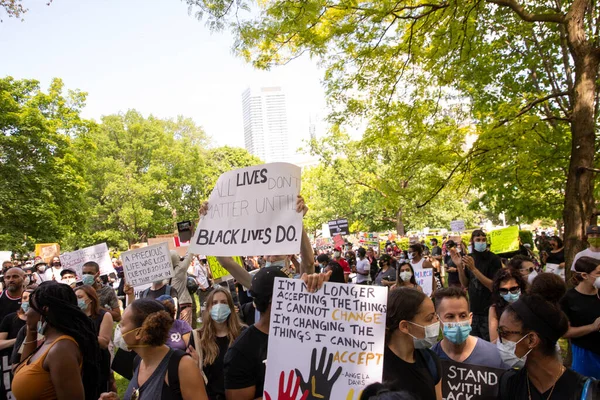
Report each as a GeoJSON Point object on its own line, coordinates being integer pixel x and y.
{"type": "Point", "coordinates": [554, 269]}
{"type": "Point", "coordinates": [424, 278]}
{"type": "Point", "coordinates": [457, 226]}
{"type": "Point", "coordinates": [217, 269]}
{"type": "Point", "coordinates": [47, 251]}
{"type": "Point", "coordinates": [338, 226]}
{"type": "Point", "coordinates": [341, 325]}
{"type": "Point", "coordinates": [184, 229]}
{"type": "Point", "coordinates": [252, 211]}
{"type": "Point", "coordinates": [148, 264]}
{"type": "Point", "coordinates": [5, 256]}
{"type": "Point", "coordinates": [504, 240]}
{"type": "Point", "coordinates": [338, 241]}
{"type": "Point", "coordinates": [369, 239]}
{"type": "Point", "coordinates": [98, 253]}
{"type": "Point", "coordinates": [465, 381]}
{"type": "Point", "coordinates": [413, 239]}
{"type": "Point", "coordinates": [169, 239]}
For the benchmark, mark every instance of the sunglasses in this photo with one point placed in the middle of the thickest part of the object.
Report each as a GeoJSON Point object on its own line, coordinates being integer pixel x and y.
{"type": "Point", "coordinates": [513, 290]}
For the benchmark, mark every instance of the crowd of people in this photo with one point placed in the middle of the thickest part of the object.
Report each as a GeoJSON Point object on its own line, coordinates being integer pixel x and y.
{"type": "Point", "coordinates": [65, 337]}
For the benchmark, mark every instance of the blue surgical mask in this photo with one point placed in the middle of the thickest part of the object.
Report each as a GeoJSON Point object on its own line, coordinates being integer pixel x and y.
{"type": "Point", "coordinates": [480, 246]}
{"type": "Point", "coordinates": [511, 297]}
{"type": "Point", "coordinates": [41, 327]}
{"type": "Point", "coordinates": [280, 263]}
{"type": "Point", "coordinates": [25, 306]}
{"type": "Point", "coordinates": [220, 312]}
{"type": "Point", "coordinates": [88, 279]}
{"type": "Point", "coordinates": [82, 304]}
{"type": "Point", "coordinates": [457, 332]}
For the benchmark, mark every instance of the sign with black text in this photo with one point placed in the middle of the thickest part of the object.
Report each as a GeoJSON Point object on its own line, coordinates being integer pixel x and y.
{"type": "Point", "coordinates": [338, 227]}
{"type": "Point", "coordinates": [469, 382]}
{"type": "Point", "coordinates": [99, 253]}
{"type": "Point", "coordinates": [252, 211]}
{"type": "Point", "coordinates": [148, 264]}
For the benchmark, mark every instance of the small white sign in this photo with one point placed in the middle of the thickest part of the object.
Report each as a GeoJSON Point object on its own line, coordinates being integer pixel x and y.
{"type": "Point", "coordinates": [457, 226]}
{"type": "Point", "coordinates": [148, 264]}
{"type": "Point", "coordinates": [424, 278]}
{"type": "Point", "coordinates": [98, 253]}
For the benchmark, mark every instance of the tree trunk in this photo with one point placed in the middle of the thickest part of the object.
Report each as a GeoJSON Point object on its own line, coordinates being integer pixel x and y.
{"type": "Point", "coordinates": [579, 196]}
{"type": "Point", "coordinates": [400, 223]}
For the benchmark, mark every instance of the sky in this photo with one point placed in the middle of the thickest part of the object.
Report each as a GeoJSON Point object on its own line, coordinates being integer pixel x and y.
{"type": "Point", "coordinates": [153, 57]}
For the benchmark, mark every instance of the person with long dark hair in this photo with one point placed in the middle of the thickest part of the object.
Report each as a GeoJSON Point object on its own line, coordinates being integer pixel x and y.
{"type": "Point", "coordinates": [65, 365]}
{"type": "Point", "coordinates": [555, 260]}
{"type": "Point", "coordinates": [507, 287]}
{"type": "Point", "coordinates": [405, 277]}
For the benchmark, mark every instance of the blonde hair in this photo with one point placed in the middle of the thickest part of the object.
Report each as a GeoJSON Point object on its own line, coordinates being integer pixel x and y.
{"type": "Point", "coordinates": [208, 334]}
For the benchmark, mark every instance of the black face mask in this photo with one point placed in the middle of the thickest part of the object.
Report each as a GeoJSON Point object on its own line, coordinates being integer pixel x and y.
{"type": "Point", "coordinates": [56, 264]}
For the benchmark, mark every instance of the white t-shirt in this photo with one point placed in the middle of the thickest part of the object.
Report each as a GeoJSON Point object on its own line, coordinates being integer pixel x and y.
{"type": "Point", "coordinates": [585, 253]}
{"type": "Point", "coordinates": [53, 272]}
{"type": "Point", "coordinates": [362, 266]}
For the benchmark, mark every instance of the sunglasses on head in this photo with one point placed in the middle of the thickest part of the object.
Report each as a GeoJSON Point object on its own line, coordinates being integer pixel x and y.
{"type": "Point", "coordinates": [513, 290]}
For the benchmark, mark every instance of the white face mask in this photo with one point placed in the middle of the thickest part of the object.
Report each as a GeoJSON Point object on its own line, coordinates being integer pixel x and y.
{"type": "Point", "coordinates": [431, 336]}
{"type": "Point", "coordinates": [597, 283]}
{"type": "Point", "coordinates": [405, 275]}
{"type": "Point", "coordinates": [507, 353]}
{"type": "Point", "coordinates": [119, 341]}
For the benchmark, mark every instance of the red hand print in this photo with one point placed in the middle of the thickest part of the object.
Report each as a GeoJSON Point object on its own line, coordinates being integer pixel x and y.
{"type": "Point", "coordinates": [291, 392]}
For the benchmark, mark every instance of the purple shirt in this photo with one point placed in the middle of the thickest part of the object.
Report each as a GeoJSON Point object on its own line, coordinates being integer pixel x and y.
{"type": "Point", "coordinates": [175, 339]}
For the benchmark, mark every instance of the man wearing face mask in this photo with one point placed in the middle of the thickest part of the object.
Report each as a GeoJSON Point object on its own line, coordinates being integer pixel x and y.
{"type": "Point", "coordinates": [107, 297]}
{"type": "Point", "coordinates": [337, 257]}
{"type": "Point", "coordinates": [68, 277]}
{"type": "Point", "coordinates": [593, 238]}
{"type": "Point", "coordinates": [476, 272]}
{"type": "Point", "coordinates": [452, 308]}
{"type": "Point", "coordinates": [53, 273]}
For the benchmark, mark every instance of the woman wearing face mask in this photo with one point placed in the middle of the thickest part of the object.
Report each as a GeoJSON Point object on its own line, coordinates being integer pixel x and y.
{"type": "Point", "coordinates": [179, 334]}
{"type": "Point", "coordinates": [39, 273]}
{"type": "Point", "coordinates": [387, 274]}
{"type": "Point", "coordinates": [65, 365]}
{"type": "Point", "coordinates": [582, 306]}
{"type": "Point", "coordinates": [528, 332]}
{"type": "Point", "coordinates": [209, 344]}
{"type": "Point", "coordinates": [555, 260]}
{"type": "Point", "coordinates": [525, 266]}
{"type": "Point", "coordinates": [406, 277]}
{"type": "Point", "coordinates": [507, 286]}
{"type": "Point", "coordinates": [412, 328]}
{"type": "Point", "coordinates": [161, 373]}
{"type": "Point", "coordinates": [87, 300]}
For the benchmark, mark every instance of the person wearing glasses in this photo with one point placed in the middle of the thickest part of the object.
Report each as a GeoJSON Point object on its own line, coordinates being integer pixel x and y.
{"type": "Point", "coordinates": [507, 287]}
{"type": "Point", "coordinates": [528, 331]}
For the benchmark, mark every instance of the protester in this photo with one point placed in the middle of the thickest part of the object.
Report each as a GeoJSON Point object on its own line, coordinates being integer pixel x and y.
{"type": "Point", "coordinates": [179, 283]}
{"type": "Point", "coordinates": [10, 298]}
{"type": "Point", "coordinates": [88, 302]}
{"type": "Point", "coordinates": [208, 345]}
{"type": "Point", "coordinates": [337, 272]}
{"type": "Point", "coordinates": [53, 273]}
{"type": "Point", "coordinates": [406, 277]}
{"type": "Point", "coordinates": [549, 286]}
{"type": "Point", "coordinates": [452, 308]}
{"type": "Point", "coordinates": [156, 290]}
{"type": "Point", "coordinates": [363, 268]}
{"type": "Point", "coordinates": [160, 372]}
{"type": "Point", "coordinates": [379, 391]}
{"type": "Point", "coordinates": [593, 238]}
{"type": "Point", "coordinates": [68, 277]}
{"type": "Point", "coordinates": [412, 328]}
{"type": "Point", "coordinates": [337, 257]}
{"type": "Point", "coordinates": [9, 329]}
{"type": "Point", "coordinates": [528, 332]}
{"type": "Point", "coordinates": [106, 294]}
{"type": "Point", "coordinates": [476, 272]}
{"type": "Point", "coordinates": [39, 271]}
{"type": "Point", "coordinates": [203, 276]}
{"type": "Point", "coordinates": [581, 304]}
{"type": "Point", "coordinates": [322, 261]}
{"type": "Point", "coordinates": [65, 366]}
{"type": "Point", "coordinates": [556, 256]}
{"type": "Point", "coordinates": [451, 268]}
{"type": "Point", "coordinates": [387, 274]}
{"type": "Point", "coordinates": [374, 269]}
{"type": "Point", "coordinates": [180, 332]}
{"type": "Point", "coordinates": [525, 266]}
{"type": "Point", "coordinates": [507, 287]}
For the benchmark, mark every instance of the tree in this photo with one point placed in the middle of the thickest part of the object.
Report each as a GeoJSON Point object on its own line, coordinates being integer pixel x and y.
{"type": "Point", "coordinates": [521, 66]}
{"type": "Point", "coordinates": [40, 172]}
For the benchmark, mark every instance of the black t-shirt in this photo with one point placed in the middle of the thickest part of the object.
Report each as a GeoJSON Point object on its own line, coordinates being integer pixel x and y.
{"type": "Point", "coordinates": [452, 276]}
{"type": "Point", "coordinates": [414, 378]}
{"type": "Point", "coordinates": [513, 385]}
{"type": "Point", "coordinates": [583, 309]}
{"type": "Point", "coordinates": [155, 294]}
{"type": "Point", "coordinates": [436, 251]}
{"type": "Point", "coordinates": [556, 258]}
{"type": "Point", "coordinates": [488, 264]}
{"type": "Point", "coordinates": [11, 324]}
{"type": "Point", "coordinates": [244, 362]}
{"type": "Point", "coordinates": [8, 305]}
{"type": "Point", "coordinates": [214, 372]}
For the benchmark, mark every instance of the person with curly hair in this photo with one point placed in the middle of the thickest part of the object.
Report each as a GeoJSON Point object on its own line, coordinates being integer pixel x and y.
{"type": "Point", "coordinates": [507, 287]}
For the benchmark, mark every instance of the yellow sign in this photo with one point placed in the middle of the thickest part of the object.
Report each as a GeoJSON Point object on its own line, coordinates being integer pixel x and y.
{"type": "Point", "coordinates": [217, 269]}
{"type": "Point", "coordinates": [47, 251]}
{"type": "Point", "coordinates": [504, 240]}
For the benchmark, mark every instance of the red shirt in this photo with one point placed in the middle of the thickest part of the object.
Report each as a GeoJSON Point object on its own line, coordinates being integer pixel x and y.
{"type": "Point", "coordinates": [344, 264]}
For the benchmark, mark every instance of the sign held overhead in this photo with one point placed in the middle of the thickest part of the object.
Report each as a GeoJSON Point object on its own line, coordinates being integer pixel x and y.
{"type": "Point", "coordinates": [338, 227]}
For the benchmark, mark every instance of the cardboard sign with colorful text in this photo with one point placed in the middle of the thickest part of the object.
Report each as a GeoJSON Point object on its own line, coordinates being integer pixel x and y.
{"type": "Point", "coordinates": [504, 240]}
{"type": "Point", "coordinates": [47, 251]}
{"type": "Point", "coordinates": [252, 211]}
{"type": "Point", "coordinates": [217, 269]}
{"type": "Point", "coordinates": [465, 381]}
{"type": "Point", "coordinates": [148, 264]}
{"type": "Point", "coordinates": [333, 339]}
{"type": "Point", "coordinates": [98, 253]}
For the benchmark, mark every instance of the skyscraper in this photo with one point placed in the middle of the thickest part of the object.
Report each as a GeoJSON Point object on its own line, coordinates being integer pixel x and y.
{"type": "Point", "coordinates": [265, 123]}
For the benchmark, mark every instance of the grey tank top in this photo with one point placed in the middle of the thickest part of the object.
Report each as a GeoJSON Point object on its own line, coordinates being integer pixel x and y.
{"type": "Point", "coordinates": [152, 388]}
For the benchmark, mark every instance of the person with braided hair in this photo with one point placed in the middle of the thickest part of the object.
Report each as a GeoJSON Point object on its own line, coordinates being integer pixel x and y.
{"type": "Point", "coordinates": [65, 365]}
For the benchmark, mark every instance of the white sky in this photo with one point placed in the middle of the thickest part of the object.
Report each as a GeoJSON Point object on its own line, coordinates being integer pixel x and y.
{"type": "Point", "coordinates": [152, 56]}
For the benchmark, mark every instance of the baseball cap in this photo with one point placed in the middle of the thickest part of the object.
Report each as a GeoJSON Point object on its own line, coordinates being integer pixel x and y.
{"type": "Point", "coordinates": [592, 229]}
{"type": "Point", "coordinates": [165, 297]}
{"type": "Point", "coordinates": [264, 281]}
{"type": "Point", "coordinates": [67, 271]}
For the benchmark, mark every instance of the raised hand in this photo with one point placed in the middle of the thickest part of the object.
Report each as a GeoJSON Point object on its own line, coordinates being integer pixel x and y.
{"type": "Point", "coordinates": [301, 206]}
{"type": "Point", "coordinates": [291, 393]}
{"type": "Point", "coordinates": [319, 384]}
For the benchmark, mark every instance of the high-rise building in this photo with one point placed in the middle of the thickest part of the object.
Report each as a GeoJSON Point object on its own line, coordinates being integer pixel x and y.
{"type": "Point", "coordinates": [265, 123]}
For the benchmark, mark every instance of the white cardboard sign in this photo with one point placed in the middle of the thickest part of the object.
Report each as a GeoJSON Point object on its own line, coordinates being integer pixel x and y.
{"type": "Point", "coordinates": [98, 253]}
{"type": "Point", "coordinates": [339, 332]}
{"type": "Point", "coordinates": [424, 278]}
{"type": "Point", "coordinates": [147, 265]}
{"type": "Point", "coordinates": [252, 211]}
{"type": "Point", "coordinates": [457, 226]}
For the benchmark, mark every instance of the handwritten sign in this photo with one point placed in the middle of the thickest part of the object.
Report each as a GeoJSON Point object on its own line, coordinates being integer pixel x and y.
{"type": "Point", "coordinates": [148, 264]}
{"type": "Point", "coordinates": [464, 381]}
{"type": "Point", "coordinates": [424, 278]}
{"type": "Point", "coordinates": [504, 240]}
{"type": "Point", "coordinates": [457, 226]}
{"type": "Point", "coordinates": [334, 338]}
{"type": "Point", "coordinates": [98, 253]}
{"type": "Point", "coordinates": [338, 241]}
{"type": "Point", "coordinates": [555, 269]}
{"type": "Point", "coordinates": [252, 211]}
{"type": "Point", "coordinates": [47, 251]}
{"type": "Point", "coordinates": [217, 269]}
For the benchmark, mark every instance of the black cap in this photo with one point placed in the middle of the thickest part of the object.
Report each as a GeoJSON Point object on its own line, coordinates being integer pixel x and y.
{"type": "Point", "coordinates": [67, 271]}
{"type": "Point", "coordinates": [264, 281]}
{"type": "Point", "coordinates": [592, 229]}
{"type": "Point", "coordinates": [323, 258]}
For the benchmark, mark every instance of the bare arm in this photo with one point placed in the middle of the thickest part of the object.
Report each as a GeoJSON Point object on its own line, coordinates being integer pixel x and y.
{"type": "Point", "coordinates": [4, 342]}
{"type": "Point", "coordinates": [438, 391]}
{"type": "Point", "coordinates": [462, 275]}
{"type": "Point", "coordinates": [493, 324]}
{"type": "Point", "coordinates": [191, 382]}
{"type": "Point", "coordinates": [306, 252]}
{"type": "Point", "coordinates": [30, 343]}
{"type": "Point", "coordinates": [239, 273]}
{"type": "Point", "coordinates": [579, 331]}
{"type": "Point", "coordinates": [485, 281]}
{"type": "Point", "coordinates": [115, 313]}
{"type": "Point", "coordinates": [105, 334]}
{"type": "Point", "coordinates": [63, 360]}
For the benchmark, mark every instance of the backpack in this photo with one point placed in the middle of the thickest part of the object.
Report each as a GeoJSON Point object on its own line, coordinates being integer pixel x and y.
{"type": "Point", "coordinates": [172, 372]}
{"type": "Point", "coordinates": [146, 292]}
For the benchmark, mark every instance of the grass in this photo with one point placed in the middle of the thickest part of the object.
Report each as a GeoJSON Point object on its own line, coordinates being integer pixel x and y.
{"type": "Point", "coordinates": [122, 384]}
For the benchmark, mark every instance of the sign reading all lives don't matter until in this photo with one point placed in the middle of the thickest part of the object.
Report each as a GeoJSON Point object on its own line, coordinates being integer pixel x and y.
{"type": "Point", "coordinates": [147, 264]}
{"type": "Point", "coordinates": [252, 211]}
{"type": "Point", "coordinates": [333, 339]}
